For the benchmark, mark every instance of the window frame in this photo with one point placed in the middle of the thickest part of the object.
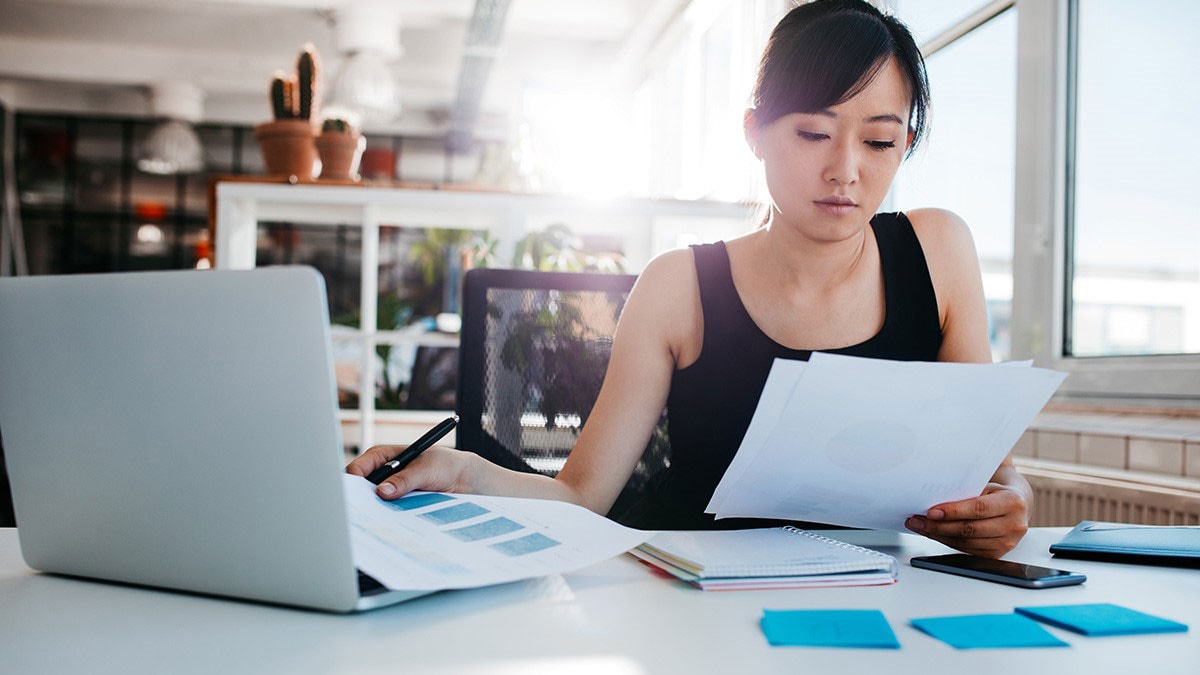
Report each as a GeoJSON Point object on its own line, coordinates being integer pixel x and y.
{"type": "Point", "coordinates": [1043, 219]}
{"type": "Point", "coordinates": [1047, 51]}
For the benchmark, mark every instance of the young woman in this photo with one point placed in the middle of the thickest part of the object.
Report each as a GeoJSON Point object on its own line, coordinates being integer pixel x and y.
{"type": "Point", "coordinates": [841, 97]}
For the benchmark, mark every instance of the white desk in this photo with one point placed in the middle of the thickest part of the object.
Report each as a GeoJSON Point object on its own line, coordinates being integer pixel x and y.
{"type": "Point", "coordinates": [615, 617]}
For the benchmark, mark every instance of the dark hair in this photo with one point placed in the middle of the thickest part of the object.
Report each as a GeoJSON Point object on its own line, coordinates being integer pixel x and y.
{"type": "Point", "coordinates": [824, 52]}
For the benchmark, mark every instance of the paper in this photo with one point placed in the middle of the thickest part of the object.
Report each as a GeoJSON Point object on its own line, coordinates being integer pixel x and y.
{"type": "Point", "coordinates": [978, 631]}
{"type": "Point", "coordinates": [869, 442]}
{"type": "Point", "coordinates": [434, 541]}
{"type": "Point", "coordinates": [828, 628]}
{"type": "Point", "coordinates": [1102, 619]}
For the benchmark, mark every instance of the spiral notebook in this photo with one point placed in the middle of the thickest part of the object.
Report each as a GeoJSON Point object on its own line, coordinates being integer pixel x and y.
{"type": "Point", "coordinates": [784, 557]}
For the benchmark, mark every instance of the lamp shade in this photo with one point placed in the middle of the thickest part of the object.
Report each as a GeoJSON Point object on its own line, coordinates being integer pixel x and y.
{"type": "Point", "coordinates": [172, 147]}
{"type": "Point", "coordinates": [366, 86]}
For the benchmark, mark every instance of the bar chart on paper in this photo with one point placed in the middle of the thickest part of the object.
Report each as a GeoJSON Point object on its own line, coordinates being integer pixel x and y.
{"type": "Point", "coordinates": [429, 541]}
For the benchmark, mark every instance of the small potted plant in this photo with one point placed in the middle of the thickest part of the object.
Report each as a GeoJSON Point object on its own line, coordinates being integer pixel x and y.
{"type": "Point", "coordinates": [287, 142]}
{"type": "Point", "coordinates": [340, 147]}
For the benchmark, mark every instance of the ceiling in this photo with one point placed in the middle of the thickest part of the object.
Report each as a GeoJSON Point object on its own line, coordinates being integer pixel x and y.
{"type": "Point", "coordinates": [103, 55]}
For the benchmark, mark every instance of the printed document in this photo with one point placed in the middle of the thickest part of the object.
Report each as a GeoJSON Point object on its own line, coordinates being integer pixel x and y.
{"type": "Point", "coordinates": [868, 442]}
{"type": "Point", "coordinates": [434, 541]}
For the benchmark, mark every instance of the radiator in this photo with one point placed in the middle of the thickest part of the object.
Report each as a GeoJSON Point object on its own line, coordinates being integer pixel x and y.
{"type": "Point", "coordinates": [1065, 496]}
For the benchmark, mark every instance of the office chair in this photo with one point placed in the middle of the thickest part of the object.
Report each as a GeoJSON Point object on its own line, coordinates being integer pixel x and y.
{"type": "Point", "coordinates": [534, 350]}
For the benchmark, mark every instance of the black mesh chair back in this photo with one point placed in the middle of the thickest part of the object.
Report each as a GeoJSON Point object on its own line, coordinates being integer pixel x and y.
{"type": "Point", "coordinates": [535, 347]}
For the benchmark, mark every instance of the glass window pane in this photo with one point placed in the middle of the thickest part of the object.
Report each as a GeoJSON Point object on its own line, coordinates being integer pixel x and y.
{"type": "Point", "coordinates": [420, 272]}
{"type": "Point", "coordinates": [347, 368]}
{"type": "Point", "coordinates": [98, 156]}
{"type": "Point", "coordinates": [218, 160]}
{"type": "Point", "coordinates": [929, 18]}
{"type": "Point", "coordinates": [250, 159]}
{"type": "Point", "coordinates": [1136, 249]}
{"type": "Point", "coordinates": [334, 251]}
{"type": "Point", "coordinates": [153, 196]}
{"type": "Point", "coordinates": [967, 163]}
{"type": "Point", "coordinates": [43, 149]}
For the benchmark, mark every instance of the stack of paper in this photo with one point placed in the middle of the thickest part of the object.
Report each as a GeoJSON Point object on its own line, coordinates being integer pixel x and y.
{"type": "Point", "coordinates": [765, 558]}
{"type": "Point", "coordinates": [868, 442]}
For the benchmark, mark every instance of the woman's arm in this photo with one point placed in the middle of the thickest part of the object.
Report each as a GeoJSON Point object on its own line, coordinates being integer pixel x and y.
{"type": "Point", "coordinates": [629, 406]}
{"type": "Point", "coordinates": [992, 523]}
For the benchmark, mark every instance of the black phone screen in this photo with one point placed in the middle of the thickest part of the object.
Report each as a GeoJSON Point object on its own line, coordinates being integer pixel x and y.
{"type": "Point", "coordinates": [1001, 567]}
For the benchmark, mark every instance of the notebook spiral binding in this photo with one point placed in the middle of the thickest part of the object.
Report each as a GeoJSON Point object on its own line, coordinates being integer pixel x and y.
{"type": "Point", "coordinates": [841, 544]}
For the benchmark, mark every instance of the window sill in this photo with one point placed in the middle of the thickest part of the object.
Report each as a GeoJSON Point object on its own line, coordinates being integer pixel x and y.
{"type": "Point", "coordinates": [1161, 444]}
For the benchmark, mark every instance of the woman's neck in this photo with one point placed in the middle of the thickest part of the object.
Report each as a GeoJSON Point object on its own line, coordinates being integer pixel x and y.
{"type": "Point", "coordinates": [806, 265]}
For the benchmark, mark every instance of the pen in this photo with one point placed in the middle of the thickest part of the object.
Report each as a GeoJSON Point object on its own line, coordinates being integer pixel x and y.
{"type": "Point", "coordinates": [410, 453]}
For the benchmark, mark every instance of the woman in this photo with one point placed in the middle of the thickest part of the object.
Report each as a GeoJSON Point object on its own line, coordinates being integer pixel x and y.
{"type": "Point", "coordinates": [841, 97]}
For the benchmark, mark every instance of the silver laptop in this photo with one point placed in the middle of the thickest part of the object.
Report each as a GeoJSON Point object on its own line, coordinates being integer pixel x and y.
{"type": "Point", "coordinates": [180, 430]}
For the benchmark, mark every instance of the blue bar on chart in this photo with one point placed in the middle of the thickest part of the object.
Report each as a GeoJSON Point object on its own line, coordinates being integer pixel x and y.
{"type": "Point", "coordinates": [453, 514]}
{"type": "Point", "coordinates": [417, 501]}
{"type": "Point", "coordinates": [530, 543]}
{"type": "Point", "coordinates": [485, 530]}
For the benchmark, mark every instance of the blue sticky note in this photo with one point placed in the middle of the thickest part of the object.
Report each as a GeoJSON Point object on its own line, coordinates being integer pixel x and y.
{"type": "Point", "coordinates": [1102, 619]}
{"type": "Point", "coordinates": [828, 628]}
{"type": "Point", "coordinates": [975, 631]}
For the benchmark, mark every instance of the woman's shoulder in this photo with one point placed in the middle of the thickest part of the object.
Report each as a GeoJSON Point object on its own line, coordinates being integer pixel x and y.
{"type": "Point", "coordinates": [664, 305]}
{"type": "Point", "coordinates": [941, 231]}
{"type": "Point", "coordinates": [949, 255]}
{"type": "Point", "coordinates": [667, 277]}
{"type": "Point", "coordinates": [670, 265]}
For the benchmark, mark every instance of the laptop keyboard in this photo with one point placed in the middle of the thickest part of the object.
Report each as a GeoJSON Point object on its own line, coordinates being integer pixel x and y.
{"type": "Point", "coordinates": [368, 585]}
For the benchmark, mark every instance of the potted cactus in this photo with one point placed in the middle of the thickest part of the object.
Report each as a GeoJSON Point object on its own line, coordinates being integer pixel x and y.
{"type": "Point", "coordinates": [340, 147]}
{"type": "Point", "coordinates": [287, 142]}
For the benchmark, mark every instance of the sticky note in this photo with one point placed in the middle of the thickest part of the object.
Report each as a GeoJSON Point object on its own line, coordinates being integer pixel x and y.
{"type": "Point", "coordinates": [976, 631]}
{"type": "Point", "coordinates": [855, 628]}
{"type": "Point", "coordinates": [1102, 619]}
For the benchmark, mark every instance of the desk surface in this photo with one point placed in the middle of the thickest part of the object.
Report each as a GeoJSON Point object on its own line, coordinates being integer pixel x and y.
{"type": "Point", "coordinates": [614, 617]}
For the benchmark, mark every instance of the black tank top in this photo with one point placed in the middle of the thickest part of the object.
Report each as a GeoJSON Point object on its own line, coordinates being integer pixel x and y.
{"type": "Point", "coordinates": [711, 401]}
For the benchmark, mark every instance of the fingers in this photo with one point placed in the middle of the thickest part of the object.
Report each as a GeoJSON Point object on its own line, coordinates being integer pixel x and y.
{"type": "Point", "coordinates": [438, 469]}
{"type": "Point", "coordinates": [372, 459]}
{"type": "Point", "coordinates": [961, 529]}
{"type": "Point", "coordinates": [988, 505]}
{"type": "Point", "coordinates": [989, 525]}
{"type": "Point", "coordinates": [994, 547]}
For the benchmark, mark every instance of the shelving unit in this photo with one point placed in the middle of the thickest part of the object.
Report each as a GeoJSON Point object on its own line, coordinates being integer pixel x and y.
{"type": "Point", "coordinates": [645, 227]}
{"type": "Point", "coordinates": [86, 207]}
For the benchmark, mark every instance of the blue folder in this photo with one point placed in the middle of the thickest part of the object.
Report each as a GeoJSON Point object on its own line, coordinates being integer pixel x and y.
{"type": "Point", "coordinates": [1121, 542]}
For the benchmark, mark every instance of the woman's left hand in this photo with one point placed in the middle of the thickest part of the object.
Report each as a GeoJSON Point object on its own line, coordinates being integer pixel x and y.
{"type": "Point", "coordinates": [989, 525]}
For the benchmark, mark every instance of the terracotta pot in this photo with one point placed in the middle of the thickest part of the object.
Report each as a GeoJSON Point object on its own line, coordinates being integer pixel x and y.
{"type": "Point", "coordinates": [340, 153]}
{"type": "Point", "coordinates": [378, 164]}
{"type": "Point", "coordinates": [287, 147]}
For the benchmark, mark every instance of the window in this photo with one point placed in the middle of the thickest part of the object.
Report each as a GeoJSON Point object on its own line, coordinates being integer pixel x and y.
{"type": "Point", "coordinates": [690, 94]}
{"type": "Point", "coordinates": [966, 164]}
{"type": "Point", "coordinates": [1134, 270]}
{"type": "Point", "coordinates": [927, 19]}
{"type": "Point", "coordinates": [1105, 279]}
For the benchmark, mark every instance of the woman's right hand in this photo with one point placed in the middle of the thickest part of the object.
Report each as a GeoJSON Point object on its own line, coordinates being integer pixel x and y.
{"type": "Point", "coordinates": [438, 469]}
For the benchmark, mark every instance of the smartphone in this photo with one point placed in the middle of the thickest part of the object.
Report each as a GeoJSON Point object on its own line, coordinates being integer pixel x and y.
{"type": "Point", "coordinates": [999, 571]}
